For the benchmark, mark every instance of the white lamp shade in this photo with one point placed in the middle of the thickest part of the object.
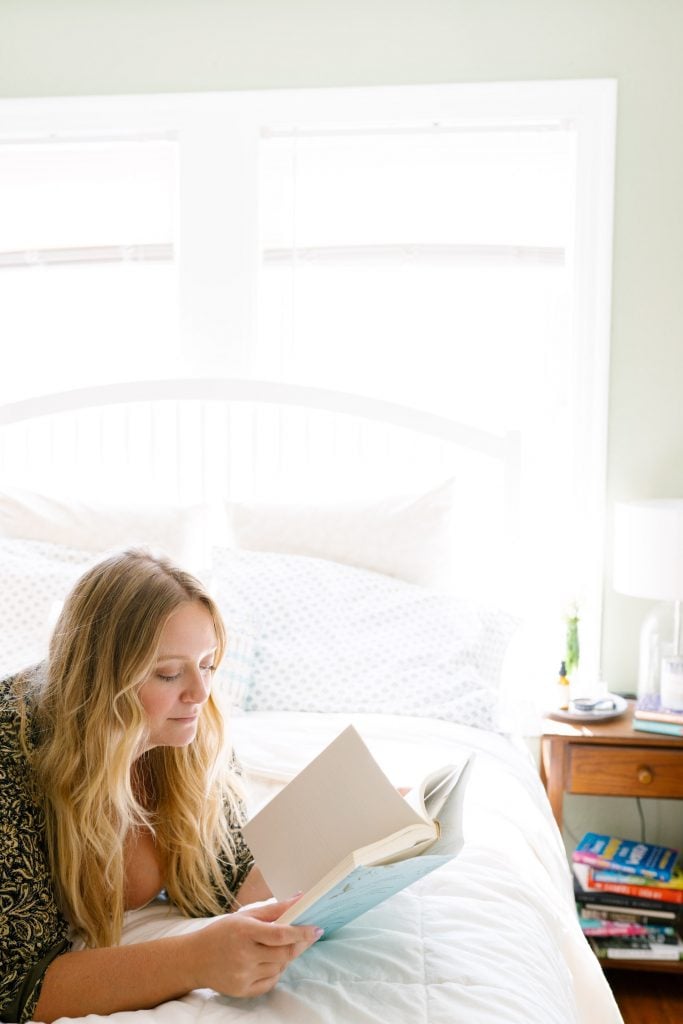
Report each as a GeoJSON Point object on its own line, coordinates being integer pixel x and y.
{"type": "Point", "coordinates": [648, 549]}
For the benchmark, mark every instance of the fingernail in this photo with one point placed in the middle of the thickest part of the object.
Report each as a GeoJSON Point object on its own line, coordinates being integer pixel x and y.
{"type": "Point", "coordinates": [295, 895]}
{"type": "Point", "coordinates": [319, 932]}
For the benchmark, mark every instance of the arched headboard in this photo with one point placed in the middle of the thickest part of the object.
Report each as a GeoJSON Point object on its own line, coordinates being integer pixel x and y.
{"type": "Point", "coordinates": [226, 436]}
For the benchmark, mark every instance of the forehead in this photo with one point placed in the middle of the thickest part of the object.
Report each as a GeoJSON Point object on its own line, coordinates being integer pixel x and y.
{"type": "Point", "coordinates": [188, 630]}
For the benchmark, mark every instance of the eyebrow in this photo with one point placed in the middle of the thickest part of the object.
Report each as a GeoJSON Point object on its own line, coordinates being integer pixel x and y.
{"type": "Point", "coordinates": [182, 657]}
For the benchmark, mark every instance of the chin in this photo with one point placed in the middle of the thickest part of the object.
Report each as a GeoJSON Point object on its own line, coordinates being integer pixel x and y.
{"type": "Point", "coordinates": [180, 735]}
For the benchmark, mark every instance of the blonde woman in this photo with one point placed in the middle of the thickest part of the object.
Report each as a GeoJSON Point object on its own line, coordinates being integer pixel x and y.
{"type": "Point", "coordinates": [116, 788]}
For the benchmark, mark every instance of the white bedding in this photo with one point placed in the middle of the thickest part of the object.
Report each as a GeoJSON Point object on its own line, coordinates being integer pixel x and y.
{"type": "Point", "coordinates": [492, 938]}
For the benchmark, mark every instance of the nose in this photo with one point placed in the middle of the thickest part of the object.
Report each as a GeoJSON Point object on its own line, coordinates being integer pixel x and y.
{"type": "Point", "coordinates": [198, 686]}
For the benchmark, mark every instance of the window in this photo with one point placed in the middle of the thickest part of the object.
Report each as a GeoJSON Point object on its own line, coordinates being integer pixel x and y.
{"type": "Point", "coordinates": [87, 259]}
{"type": "Point", "coordinates": [448, 247]}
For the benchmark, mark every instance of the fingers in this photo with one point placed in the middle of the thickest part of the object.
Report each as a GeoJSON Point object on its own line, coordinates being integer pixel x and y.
{"type": "Point", "coordinates": [277, 955]}
{"type": "Point", "coordinates": [254, 950]}
{"type": "Point", "coordinates": [269, 933]}
{"type": "Point", "coordinates": [259, 988]}
{"type": "Point", "coordinates": [287, 934]}
{"type": "Point", "coordinates": [272, 910]}
{"type": "Point", "coordinates": [277, 962]}
{"type": "Point", "coordinates": [270, 972]}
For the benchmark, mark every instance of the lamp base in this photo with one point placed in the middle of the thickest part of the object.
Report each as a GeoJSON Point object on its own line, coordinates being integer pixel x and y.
{"type": "Point", "coordinates": [656, 643]}
{"type": "Point", "coordinates": [671, 687]}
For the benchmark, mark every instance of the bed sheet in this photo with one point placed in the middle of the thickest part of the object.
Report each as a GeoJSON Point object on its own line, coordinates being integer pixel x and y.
{"type": "Point", "coordinates": [491, 938]}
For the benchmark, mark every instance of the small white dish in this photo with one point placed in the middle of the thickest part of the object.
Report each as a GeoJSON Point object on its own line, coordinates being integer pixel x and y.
{"type": "Point", "coordinates": [599, 715]}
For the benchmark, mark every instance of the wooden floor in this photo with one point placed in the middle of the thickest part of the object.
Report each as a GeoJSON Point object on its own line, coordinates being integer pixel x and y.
{"type": "Point", "coordinates": [648, 998]}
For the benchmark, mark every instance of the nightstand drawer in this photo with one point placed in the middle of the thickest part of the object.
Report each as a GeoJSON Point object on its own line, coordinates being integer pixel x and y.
{"type": "Point", "coordinates": [603, 770]}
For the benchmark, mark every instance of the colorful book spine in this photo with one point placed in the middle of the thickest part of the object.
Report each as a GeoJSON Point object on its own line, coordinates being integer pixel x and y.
{"type": "Point", "coordinates": [626, 855]}
{"type": "Point", "coordinates": [628, 915]}
{"type": "Point", "coordinates": [639, 947]}
{"type": "Point", "coordinates": [598, 901]}
{"type": "Point", "coordinates": [644, 892]}
{"type": "Point", "coordinates": [621, 878]}
{"type": "Point", "coordinates": [602, 929]}
{"type": "Point", "coordinates": [663, 728]}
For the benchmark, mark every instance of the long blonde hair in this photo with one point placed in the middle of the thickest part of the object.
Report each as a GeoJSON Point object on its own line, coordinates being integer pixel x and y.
{"type": "Point", "coordinates": [90, 727]}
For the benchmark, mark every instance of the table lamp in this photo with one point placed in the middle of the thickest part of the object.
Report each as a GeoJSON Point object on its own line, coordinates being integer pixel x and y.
{"type": "Point", "coordinates": [648, 563]}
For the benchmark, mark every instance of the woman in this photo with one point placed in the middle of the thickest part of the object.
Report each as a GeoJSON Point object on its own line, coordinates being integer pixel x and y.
{"type": "Point", "coordinates": [116, 788]}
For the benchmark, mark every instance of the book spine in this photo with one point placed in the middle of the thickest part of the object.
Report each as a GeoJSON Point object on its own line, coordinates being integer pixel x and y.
{"type": "Point", "coordinates": [628, 915]}
{"type": "Point", "coordinates": [596, 899]}
{"type": "Point", "coordinates": [673, 717]}
{"type": "Point", "coordinates": [594, 860]}
{"type": "Point", "coordinates": [607, 929]}
{"type": "Point", "coordinates": [666, 728]}
{"type": "Point", "coordinates": [621, 950]}
{"type": "Point", "coordinates": [624, 916]}
{"type": "Point", "coordinates": [641, 954]}
{"type": "Point", "coordinates": [643, 892]}
{"type": "Point", "coordinates": [608, 875]}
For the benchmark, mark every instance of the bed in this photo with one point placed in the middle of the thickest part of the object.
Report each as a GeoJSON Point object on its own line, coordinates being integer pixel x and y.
{"type": "Point", "coordinates": [350, 604]}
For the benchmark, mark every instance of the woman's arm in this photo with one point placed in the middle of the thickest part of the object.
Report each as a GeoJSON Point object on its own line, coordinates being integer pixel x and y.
{"type": "Point", "coordinates": [240, 954]}
{"type": "Point", "coordinates": [254, 888]}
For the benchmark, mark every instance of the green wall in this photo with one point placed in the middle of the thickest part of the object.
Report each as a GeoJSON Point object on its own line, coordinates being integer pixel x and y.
{"type": "Point", "coordinates": [71, 47]}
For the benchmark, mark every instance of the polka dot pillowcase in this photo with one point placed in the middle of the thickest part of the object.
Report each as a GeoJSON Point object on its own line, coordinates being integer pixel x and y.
{"type": "Point", "coordinates": [307, 634]}
{"type": "Point", "coordinates": [35, 577]}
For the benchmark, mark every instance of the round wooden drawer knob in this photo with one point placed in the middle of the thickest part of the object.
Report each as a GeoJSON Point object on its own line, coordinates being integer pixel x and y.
{"type": "Point", "coordinates": [645, 775]}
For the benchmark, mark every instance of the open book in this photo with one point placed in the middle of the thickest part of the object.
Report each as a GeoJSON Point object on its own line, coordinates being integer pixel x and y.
{"type": "Point", "coordinates": [342, 834]}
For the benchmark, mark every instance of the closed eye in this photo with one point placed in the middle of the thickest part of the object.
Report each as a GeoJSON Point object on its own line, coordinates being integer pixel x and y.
{"type": "Point", "coordinates": [173, 678]}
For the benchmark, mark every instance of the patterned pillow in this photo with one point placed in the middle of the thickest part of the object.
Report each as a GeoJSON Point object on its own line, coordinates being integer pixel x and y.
{"type": "Point", "coordinates": [35, 577]}
{"type": "Point", "coordinates": [331, 637]}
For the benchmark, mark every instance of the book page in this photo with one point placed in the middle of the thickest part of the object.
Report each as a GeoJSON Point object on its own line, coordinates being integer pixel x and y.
{"type": "Point", "coordinates": [341, 801]}
{"type": "Point", "coordinates": [451, 813]}
{"type": "Point", "coordinates": [429, 797]}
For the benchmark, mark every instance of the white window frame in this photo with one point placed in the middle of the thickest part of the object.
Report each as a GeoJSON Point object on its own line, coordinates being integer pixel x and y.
{"type": "Point", "coordinates": [218, 136]}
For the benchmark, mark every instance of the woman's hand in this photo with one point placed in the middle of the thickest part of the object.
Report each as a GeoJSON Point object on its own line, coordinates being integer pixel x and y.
{"type": "Point", "coordinates": [244, 954]}
{"type": "Point", "coordinates": [241, 954]}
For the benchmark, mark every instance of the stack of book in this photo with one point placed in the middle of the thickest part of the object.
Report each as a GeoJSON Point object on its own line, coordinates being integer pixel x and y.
{"type": "Point", "coordinates": [650, 715]}
{"type": "Point", "coordinates": [629, 897]}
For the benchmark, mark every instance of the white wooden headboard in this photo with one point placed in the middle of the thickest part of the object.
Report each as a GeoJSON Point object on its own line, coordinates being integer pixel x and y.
{"type": "Point", "coordinates": [195, 440]}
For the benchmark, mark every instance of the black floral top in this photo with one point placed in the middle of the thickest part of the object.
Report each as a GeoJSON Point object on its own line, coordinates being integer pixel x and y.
{"type": "Point", "coordinates": [33, 930]}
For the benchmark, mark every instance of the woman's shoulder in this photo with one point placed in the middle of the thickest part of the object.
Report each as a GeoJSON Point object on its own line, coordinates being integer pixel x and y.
{"type": "Point", "coordinates": [17, 739]}
{"type": "Point", "coordinates": [9, 698]}
{"type": "Point", "coordinates": [16, 702]}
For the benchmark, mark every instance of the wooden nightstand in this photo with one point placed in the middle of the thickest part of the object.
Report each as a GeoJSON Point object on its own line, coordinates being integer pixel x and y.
{"type": "Point", "coordinates": [611, 759]}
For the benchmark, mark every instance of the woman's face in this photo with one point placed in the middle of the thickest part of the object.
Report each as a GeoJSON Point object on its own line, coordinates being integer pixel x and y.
{"type": "Point", "coordinates": [175, 692]}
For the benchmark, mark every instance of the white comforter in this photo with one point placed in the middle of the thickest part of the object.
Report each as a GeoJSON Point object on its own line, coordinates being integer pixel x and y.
{"type": "Point", "coordinates": [491, 938]}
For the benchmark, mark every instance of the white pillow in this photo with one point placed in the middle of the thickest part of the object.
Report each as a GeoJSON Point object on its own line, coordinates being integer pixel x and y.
{"type": "Point", "coordinates": [334, 638]}
{"type": "Point", "coordinates": [179, 531]}
{"type": "Point", "coordinates": [34, 580]}
{"type": "Point", "coordinates": [406, 537]}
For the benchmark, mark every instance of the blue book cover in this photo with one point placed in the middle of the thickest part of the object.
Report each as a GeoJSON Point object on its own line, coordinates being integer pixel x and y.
{"type": "Point", "coordinates": [664, 728]}
{"type": "Point", "coordinates": [626, 855]}
{"type": "Point", "coordinates": [366, 887]}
